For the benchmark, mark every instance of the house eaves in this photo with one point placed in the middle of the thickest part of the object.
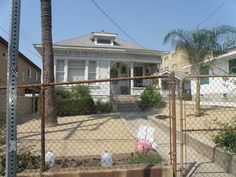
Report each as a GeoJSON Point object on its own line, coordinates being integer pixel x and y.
{"type": "Point", "coordinates": [4, 42]}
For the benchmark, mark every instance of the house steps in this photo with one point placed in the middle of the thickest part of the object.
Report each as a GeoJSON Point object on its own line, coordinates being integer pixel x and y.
{"type": "Point", "coordinates": [127, 103]}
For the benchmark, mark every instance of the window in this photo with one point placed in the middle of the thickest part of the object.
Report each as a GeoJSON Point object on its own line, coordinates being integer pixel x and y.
{"type": "Point", "coordinates": [232, 66]}
{"type": "Point", "coordinates": [166, 68]}
{"type": "Point", "coordinates": [104, 41]}
{"type": "Point", "coordinates": [138, 71]}
{"type": "Point", "coordinates": [92, 70]}
{"type": "Point", "coordinates": [36, 76]}
{"type": "Point", "coordinates": [204, 71]}
{"type": "Point", "coordinates": [29, 72]}
{"type": "Point", "coordinates": [4, 55]}
{"type": "Point", "coordinates": [76, 70]}
{"type": "Point", "coordinates": [60, 71]}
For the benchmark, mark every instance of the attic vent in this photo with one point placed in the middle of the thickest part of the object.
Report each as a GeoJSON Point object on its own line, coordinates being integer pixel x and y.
{"type": "Point", "coordinates": [104, 41]}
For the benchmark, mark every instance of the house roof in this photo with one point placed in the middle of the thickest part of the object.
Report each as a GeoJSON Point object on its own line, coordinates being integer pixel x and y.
{"type": "Point", "coordinates": [4, 42]}
{"type": "Point", "coordinates": [177, 74]}
{"type": "Point", "coordinates": [86, 42]}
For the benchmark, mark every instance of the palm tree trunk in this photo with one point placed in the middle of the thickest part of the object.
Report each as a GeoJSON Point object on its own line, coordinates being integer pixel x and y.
{"type": "Point", "coordinates": [197, 98]}
{"type": "Point", "coordinates": [48, 63]}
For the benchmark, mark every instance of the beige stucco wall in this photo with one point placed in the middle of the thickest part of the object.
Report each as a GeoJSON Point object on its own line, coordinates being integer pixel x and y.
{"type": "Point", "coordinates": [22, 71]}
{"type": "Point", "coordinates": [175, 61]}
{"type": "Point", "coordinates": [180, 59]}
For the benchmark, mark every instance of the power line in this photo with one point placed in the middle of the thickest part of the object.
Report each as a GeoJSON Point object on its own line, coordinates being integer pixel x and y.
{"type": "Point", "coordinates": [24, 46]}
{"type": "Point", "coordinates": [116, 24]}
{"type": "Point", "coordinates": [212, 13]}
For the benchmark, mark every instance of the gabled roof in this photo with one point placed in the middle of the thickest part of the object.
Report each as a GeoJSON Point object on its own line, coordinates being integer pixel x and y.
{"type": "Point", "coordinates": [86, 41]}
{"type": "Point", "coordinates": [4, 42]}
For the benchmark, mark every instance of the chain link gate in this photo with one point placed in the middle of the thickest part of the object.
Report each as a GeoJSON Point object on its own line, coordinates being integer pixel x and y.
{"type": "Point", "coordinates": [208, 139]}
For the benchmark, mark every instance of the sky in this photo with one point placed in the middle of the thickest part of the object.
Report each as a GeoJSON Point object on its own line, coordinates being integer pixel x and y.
{"type": "Point", "coordinates": [146, 21]}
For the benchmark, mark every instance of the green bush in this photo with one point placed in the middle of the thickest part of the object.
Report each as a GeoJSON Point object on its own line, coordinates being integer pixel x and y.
{"type": "Point", "coordinates": [104, 107]}
{"type": "Point", "coordinates": [80, 91]}
{"type": "Point", "coordinates": [73, 107]}
{"type": "Point", "coordinates": [24, 161]}
{"type": "Point", "coordinates": [76, 102]}
{"type": "Point", "coordinates": [227, 138]}
{"type": "Point", "coordinates": [151, 98]}
{"type": "Point", "coordinates": [61, 93]}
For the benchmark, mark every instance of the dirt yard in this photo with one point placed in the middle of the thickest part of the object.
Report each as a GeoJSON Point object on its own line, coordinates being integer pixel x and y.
{"type": "Point", "coordinates": [210, 118]}
{"type": "Point", "coordinates": [79, 135]}
{"type": "Point", "coordinates": [213, 117]}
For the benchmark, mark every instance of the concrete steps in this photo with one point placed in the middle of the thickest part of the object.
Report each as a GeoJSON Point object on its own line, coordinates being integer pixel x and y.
{"type": "Point", "coordinates": [127, 103]}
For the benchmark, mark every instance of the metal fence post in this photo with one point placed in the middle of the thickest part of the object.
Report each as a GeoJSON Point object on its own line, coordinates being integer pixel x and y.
{"type": "Point", "coordinates": [181, 128]}
{"type": "Point", "coordinates": [173, 115]}
{"type": "Point", "coordinates": [11, 100]}
{"type": "Point", "coordinates": [42, 165]}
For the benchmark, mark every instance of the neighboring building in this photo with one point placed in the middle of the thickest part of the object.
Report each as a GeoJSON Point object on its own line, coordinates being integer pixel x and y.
{"type": "Point", "coordinates": [175, 61]}
{"type": "Point", "coordinates": [210, 87]}
{"type": "Point", "coordinates": [28, 72]}
{"type": "Point", "coordinates": [220, 87]}
{"type": "Point", "coordinates": [102, 55]}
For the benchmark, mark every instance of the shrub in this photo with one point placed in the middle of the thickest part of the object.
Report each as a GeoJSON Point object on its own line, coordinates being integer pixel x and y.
{"type": "Point", "coordinates": [104, 107]}
{"type": "Point", "coordinates": [61, 93]}
{"type": "Point", "coordinates": [76, 102]}
{"type": "Point", "coordinates": [24, 161]}
{"type": "Point", "coordinates": [227, 138]}
{"type": "Point", "coordinates": [80, 91]}
{"type": "Point", "coordinates": [151, 98]}
{"type": "Point", "coordinates": [73, 107]}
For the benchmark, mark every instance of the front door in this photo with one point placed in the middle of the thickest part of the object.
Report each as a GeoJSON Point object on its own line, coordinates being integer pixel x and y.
{"type": "Point", "coordinates": [119, 70]}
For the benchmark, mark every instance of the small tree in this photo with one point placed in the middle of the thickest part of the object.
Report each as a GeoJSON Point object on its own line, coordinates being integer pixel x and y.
{"type": "Point", "coordinates": [198, 44]}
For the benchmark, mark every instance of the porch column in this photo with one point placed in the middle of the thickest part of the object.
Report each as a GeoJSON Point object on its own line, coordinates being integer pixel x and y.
{"type": "Point", "coordinates": [98, 70]}
{"type": "Point", "coordinates": [132, 75]}
{"type": "Point", "coordinates": [66, 70]}
{"type": "Point", "coordinates": [109, 69]}
{"type": "Point", "coordinates": [86, 70]}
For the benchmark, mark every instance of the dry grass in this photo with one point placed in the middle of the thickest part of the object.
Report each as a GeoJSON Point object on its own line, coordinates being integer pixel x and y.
{"type": "Point", "coordinates": [212, 118]}
{"type": "Point", "coordinates": [79, 135]}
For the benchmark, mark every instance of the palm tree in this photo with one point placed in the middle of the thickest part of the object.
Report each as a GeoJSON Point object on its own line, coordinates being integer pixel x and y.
{"type": "Point", "coordinates": [198, 44]}
{"type": "Point", "coordinates": [48, 65]}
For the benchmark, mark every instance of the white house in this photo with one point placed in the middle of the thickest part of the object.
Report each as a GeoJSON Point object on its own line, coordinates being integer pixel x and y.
{"type": "Point", "coordinates": [102, 55]}
{"type": "Point", "coordinates": [218, 88]}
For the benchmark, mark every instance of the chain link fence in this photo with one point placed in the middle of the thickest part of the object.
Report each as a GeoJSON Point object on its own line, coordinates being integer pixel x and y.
{"type": "Point", "coordinates": [207, 119]}
{"type": "Point", "coordinates": [98, 124]}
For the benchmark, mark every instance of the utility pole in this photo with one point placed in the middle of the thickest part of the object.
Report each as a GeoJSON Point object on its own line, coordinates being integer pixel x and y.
{"type": "Point", "coordinates": [11, 100]}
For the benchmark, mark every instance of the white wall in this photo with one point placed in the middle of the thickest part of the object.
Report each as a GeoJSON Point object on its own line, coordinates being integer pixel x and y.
{"type": "Point", "coordinates": [217, 85]}
{"type": "Point", "coordinates": [101, 90]}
